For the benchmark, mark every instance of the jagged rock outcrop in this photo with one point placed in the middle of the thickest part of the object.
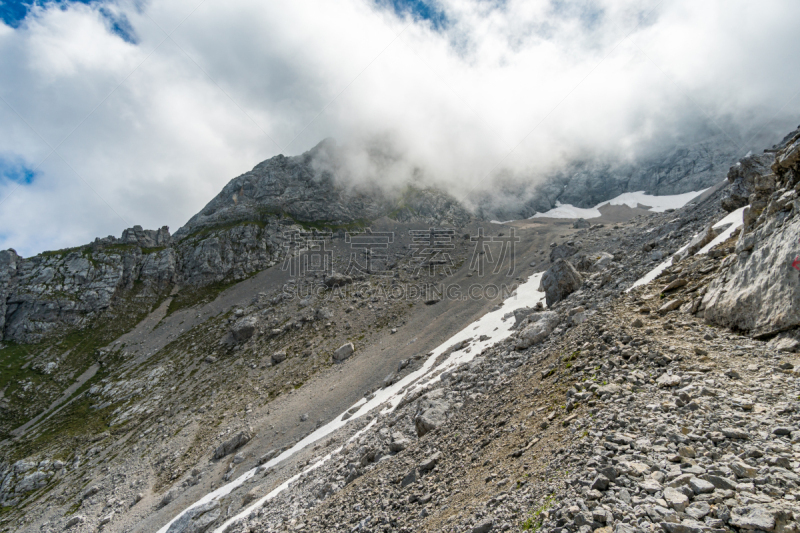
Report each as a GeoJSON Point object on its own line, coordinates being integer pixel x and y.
{"type": "Point", "coordinates": [216, 254]}
{"type": "Point", "coordinates": [742, 178]}
{"type": "Point", "coordinates": [70, 288]}
{"type": "Point", "coordinates": [758, 288]}
{"type": "Point", "coordinates": [146, 238]}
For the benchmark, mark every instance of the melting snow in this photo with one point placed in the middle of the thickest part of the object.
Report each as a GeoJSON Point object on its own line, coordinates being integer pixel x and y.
{"type": "Point", "coordinates": [491, 324]}
{"type": "Point", "coordinates": [735, 219]}
{"type": "Point", "coordinates": [657, 204]}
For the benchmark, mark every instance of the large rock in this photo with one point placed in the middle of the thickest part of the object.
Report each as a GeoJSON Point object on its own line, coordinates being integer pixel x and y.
{"type": "Point", "coordinates": [562, 251]}
{"type": "Point", "coordinates": [600, 261]}
{"type": "Point", "coordinates": [233, 444]}
{"type": "Point", "coordinates": [559, 281]}
{"type": "Point", "coordinates": [431, 413]}
{"type": "Point", "coordinates": [244, 328]}
{"type": "Point", "coordinates": [541, 326]}
{"type": "Point", "coordinates": [752, 517]}
{"type": "Point", "coordinates": [343, 352]}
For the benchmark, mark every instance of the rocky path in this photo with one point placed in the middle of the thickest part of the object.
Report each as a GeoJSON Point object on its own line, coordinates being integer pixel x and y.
{"type": "Point", "coordinates": [628, 422]}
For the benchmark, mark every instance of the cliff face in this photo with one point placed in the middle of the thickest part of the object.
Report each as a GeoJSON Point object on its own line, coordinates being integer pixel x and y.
{"type": "Point", "coordinates": [70, 288]}
{"type": "Point", "coordinates": [760, 285]}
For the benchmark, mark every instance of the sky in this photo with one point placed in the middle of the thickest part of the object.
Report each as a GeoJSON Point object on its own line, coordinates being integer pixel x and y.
{"type": "Point", "coordinates": [122, 112]}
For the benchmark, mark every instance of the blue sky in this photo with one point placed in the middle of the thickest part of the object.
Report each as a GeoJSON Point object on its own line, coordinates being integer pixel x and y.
{"type": "Point", "coordinates": [14, 169]}
{"type": "Point", "coordinates": [13, 13]}
{"type": "Point", "coordinates": [418, 9]}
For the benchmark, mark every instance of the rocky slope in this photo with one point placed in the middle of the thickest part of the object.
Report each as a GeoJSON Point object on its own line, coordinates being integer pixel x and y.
{"type": "Point", "coordinates": [628, 414]}
{"type": "Point", "coordinates": [617, 406]}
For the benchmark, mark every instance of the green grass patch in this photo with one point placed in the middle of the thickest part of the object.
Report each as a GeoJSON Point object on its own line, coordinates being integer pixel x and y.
{"type": "Point", "coordinates": [534, 521]}
{"type": "Point", "coordinates": [156, 249]}
{"type": "Point", "coordinates": [61, 253]}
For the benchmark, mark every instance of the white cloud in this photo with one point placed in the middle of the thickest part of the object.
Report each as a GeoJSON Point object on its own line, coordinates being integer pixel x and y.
{"type": "Point", "coordinates": [169, 123]}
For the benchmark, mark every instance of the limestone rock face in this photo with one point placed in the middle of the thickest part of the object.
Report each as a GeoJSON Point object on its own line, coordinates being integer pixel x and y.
{"type": "Point", "coordinates": [67, 288]}
{"type": "Point", "coordinates": [758, 288]}
{"type": "Point", "coordinates": [560, 280]}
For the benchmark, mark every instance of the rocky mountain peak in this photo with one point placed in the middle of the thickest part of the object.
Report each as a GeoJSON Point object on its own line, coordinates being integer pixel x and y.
{"type": "Point", "coordinates": [311, 187]}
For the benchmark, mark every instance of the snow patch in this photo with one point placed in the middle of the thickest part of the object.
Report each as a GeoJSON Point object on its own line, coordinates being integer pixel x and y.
{"type": "Point", "coordinates": [735, 219]}
{"type": "Point", "coordinates": [491, 324]}
{"type": "Point", "coordinates": [655, 204]}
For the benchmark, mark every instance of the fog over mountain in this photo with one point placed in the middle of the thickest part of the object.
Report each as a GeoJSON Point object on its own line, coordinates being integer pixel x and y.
{"type": "Point", "coordinates": [122, 112]}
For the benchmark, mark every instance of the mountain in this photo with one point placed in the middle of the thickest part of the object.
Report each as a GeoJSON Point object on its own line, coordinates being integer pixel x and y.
{"type": "Point", "coordinates": [625, 374]}
{"type": "Point", "coordinates": [666, 170]}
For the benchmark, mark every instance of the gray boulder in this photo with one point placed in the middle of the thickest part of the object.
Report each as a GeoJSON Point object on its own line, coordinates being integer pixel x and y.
{"type": "Point", "coordinates": [244, 328]}
{"type": "Point", "coordinates": [233, 444]}
{"type": "Point", "coordinates": [431, 413]}
{"type": "Point", "coordinates": [600, 261]}
{"type": "Point", "coordinates": [559, 281]}
{"type": "Point", "coordinates": [343, 352]}
{"type": "Point", "coordinates": [580, 224]}
{"type": "Point", "coordinates": [752, 517]}
{"type": "Point", "coordinates": [542, 325]}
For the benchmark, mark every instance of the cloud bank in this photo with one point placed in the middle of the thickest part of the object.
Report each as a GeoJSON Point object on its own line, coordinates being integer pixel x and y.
{"type": "Point", "coordinates": [128, 112]}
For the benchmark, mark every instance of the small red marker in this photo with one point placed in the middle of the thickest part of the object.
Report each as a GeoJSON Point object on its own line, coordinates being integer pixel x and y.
{"type": "Point", "coordinates": [796, 262]}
